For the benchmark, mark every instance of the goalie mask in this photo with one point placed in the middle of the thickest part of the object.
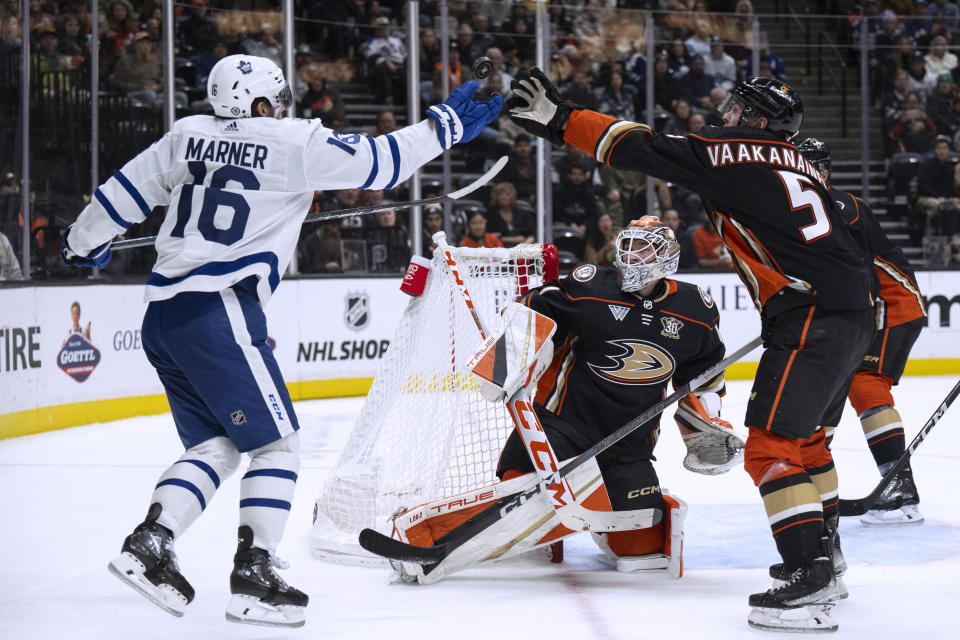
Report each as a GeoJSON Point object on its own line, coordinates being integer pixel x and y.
{"type": "Point", "coordinates": [236, 81]}
{"type": "Point", "coordinates": [647, 250]}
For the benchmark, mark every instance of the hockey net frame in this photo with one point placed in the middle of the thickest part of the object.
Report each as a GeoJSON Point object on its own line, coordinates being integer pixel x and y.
{"type": "Point", "coordinates": [425, 431]}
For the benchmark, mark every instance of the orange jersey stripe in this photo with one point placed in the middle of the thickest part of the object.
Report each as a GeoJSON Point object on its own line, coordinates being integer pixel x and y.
{"type": "Point", "coordinates": [585, 128]}
{"type": "Point", "coordinates": [786, 371]}
{"type": "Point", "coordinates": [793, 524]}
{"type": "Point", "coordinates": [762, 281]}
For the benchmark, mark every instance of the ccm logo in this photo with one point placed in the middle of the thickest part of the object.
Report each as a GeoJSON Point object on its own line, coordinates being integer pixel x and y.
{"type": "Point", "coordinates": [646, 491]}
{"type": "Point", "coordinates": [275, 406]}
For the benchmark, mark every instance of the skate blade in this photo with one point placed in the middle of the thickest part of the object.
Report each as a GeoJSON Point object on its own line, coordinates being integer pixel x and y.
{"type": "Point", "coordinates": [894, 517]}
{"type": "Point", "coordinates": [808, 619]}
{"type": "Point", "coordinates": [251, 610]}
{"type": "Point", "coordinates": [130, 571]}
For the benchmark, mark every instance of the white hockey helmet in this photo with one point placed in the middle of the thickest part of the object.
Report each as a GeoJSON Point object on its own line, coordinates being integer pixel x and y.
{"type": "Point", "coordinates": [236, 81]}
{"type": "Point", "coordinates": [647, 250]}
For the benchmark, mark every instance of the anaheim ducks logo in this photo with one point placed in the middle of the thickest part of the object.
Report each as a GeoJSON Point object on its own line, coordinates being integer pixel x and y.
{"type": "Point", "coordinates": [638, 362]}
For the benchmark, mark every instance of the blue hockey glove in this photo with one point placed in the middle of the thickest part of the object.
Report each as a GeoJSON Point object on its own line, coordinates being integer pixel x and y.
{"type": "Point", "coordinates": [460, 118]}
{"type": "Point", "coordinates": [99, 257]}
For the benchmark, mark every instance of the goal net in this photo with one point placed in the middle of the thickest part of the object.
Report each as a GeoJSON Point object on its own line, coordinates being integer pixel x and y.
{"type": "Point", "coordinates": [425, 431]}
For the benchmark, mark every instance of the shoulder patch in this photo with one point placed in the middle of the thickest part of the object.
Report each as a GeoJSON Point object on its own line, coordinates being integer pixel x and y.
{"type": "Point", "coordinates": [706, 297]}
{"type": "Point", "coordinates": [584, 272]}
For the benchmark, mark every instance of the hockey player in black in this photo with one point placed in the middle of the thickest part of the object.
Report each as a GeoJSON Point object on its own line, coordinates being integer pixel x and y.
{"type": "Point", "coordinates": [807, 276]}
{"type": "Point", "coordinates": [901, 313]}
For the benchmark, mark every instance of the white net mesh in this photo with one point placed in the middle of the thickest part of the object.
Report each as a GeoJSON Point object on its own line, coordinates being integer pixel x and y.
{"type": "Point", "coordinates": [425, 431]}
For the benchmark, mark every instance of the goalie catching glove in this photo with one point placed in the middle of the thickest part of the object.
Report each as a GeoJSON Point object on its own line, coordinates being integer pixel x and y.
{"type": "Point", "coordinates": [713, 447]}
{"type": "Point", "coordinates": [515, 358]}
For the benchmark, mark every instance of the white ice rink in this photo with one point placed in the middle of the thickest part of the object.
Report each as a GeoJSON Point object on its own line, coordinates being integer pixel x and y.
{"type": "Point", "coordinates": [68, 498]}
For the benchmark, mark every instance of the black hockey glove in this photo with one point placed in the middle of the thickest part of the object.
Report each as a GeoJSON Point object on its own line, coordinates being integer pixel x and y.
{"type": "Point", "coordinates": [536, 106]}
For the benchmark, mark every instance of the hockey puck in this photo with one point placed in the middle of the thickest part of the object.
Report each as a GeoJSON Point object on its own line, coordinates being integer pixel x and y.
{"type": "Point", "coordinates": [482, 67]}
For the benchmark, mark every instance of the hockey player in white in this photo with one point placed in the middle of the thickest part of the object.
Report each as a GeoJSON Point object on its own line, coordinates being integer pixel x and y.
{"type": "Point", "coordinates": [238, 186]}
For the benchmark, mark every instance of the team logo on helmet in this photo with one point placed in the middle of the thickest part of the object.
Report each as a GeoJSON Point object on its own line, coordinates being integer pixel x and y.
{"type": "Point", "coordinates": [638, 363]}
{"type": "Point", "coordinates": [245, 67]}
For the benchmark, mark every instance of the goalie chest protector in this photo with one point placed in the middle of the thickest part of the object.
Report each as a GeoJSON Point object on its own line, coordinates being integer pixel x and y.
{"type": "Point", "coordinates": [616, 351]}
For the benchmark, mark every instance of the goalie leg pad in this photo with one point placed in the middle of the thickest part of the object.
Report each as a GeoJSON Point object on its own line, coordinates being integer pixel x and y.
{"type": "Point", "coordinates": [656, 548]}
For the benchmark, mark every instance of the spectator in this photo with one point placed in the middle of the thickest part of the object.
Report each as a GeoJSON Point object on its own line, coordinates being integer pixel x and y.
{"type": "Point", "coordinates": [918, 22]}
{"type": "Point", "coordinates": [919, 80]}
{"type": "Point", "coordinates": [939, 60]}
{"type": "Point", "coordinates": [459, 73]}
{"type": "Point", "coordinates": [571, 156]}
{"type": "Point", "coordinates": [688, 252]}
{"type": "Point", "coordinates": [946, 12]}
{"type": "Point", "coordinates": [720, 65]}
{"type": "Point", "coordinates": [386, 123]}
{"type": "Point", "coordinates": [696, 85]}
{"type": "Point", "coordinates": [469, 49]}
{"type": "Point", "coordinates": [139, 73]}
{"type": "Point", "coordinates": [618, 100]}
{"type": "Point", "coordinates": [937, 191]}
{"type": "Point", "coordinates": [521, 170]}
{"type": "Point", "coordinates": [320, 98]}
{"type": "Point", "coordinates": [679, 123]}
{"type": "Point", "coordinates": [203, 63]}
{"type": "Point", "coordinates": [574, 202]}
{"type": "Point", "coordinates": [477, 235]}
{"type": "Point", "coordinates": [514, 226]}
{"type": "Point", "coordinates": [951, 253]}
{"type": "Point", "coordinates": [480, 24]}
{"type": "Point", "coordinates": [601, 241]}
{"type": "Point", "coordinates": [940, 104]}
{"type": "Point", "coordinates": [119, 32]}
{"type": "Point", "coordinates": [698, 44]}
{"type": "Point", "coordinates": [71, 42]}
{"type": "Point", "coordinates": [197, 31]}
{"type": "Point", "coordinates": [432, 222]}
{"type": "Point", "coordinates": [265, 45]}
{"type": "Point", "coordinates": [712, 113]}
{"type": "Point", "coordinates": [303, 63]}
{"type": "Point", "coordinates": [48, 58]}
{"type": "Point", "coordinates": [579, 91]}
{"type": "Point", "coordinates": [678, 62]}
{"type": "Point", "coordinates": [9, 265]}
{"type": "Point", "coordinates": [914, 130]}
{"type": "Point", "coordinates": [711, 252]}
{"type": "Point", "coordinates": [496, 57]}
{"type": "Point", "coordinates": [430, 53]}
{"type": "Point", "coordinates": [891, 106]}
{"type": "Point", "coordinates": [883, 54]}
{"type": "Point", "coordinates": [389, 242]}
{"type": "Point", "coordinates": [696, 122]}
{"type": "Point", "coordinates": [319, 250]}
{"type": "Point", "coordinates": [777, 69]}
{"type": "Point", "coordinates": [665, 88]}
{"type": "Point", "coordinates": [386, 57]}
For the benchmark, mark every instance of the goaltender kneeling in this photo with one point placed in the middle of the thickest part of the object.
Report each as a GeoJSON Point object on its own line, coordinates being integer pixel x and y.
{"type": "Point", "coordinates": [604, 343]}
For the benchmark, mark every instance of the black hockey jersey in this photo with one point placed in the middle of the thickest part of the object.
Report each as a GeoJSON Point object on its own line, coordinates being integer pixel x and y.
{"type": "Point", "coordinates": [616, 351]}
{"type": "Point", "coordinates": [900, 300]}
{"type": "Point", "coordinates": [767, 202]}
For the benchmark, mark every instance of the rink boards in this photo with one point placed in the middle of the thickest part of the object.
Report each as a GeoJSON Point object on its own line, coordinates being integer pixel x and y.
{"type": "Point", "coordinates": [329, 337]}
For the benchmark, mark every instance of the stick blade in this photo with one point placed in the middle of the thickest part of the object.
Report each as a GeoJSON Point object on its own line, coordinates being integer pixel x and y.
{"type": "Point", "coordinates": [392, 549]}
{"type": "Point", "coordinates": [852, 507]}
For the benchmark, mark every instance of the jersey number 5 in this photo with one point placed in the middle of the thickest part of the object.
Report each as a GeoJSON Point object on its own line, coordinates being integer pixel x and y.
{"type": "Point", "coordinates": [215, 197]}
{"type": "Point", "coordinates": [800, 198]}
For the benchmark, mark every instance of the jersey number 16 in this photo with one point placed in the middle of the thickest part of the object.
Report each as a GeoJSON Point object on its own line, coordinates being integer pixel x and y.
{"type": "Point", "coordinates": [215, 197]}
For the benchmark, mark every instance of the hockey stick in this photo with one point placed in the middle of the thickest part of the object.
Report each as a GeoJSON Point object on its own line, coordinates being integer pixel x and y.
{"type": "Point", "coordinates": [569, 511]}
{"type": "Point", "coordinates": [862, 505]}
{"type": "Point", "coordinates": [379, 544]}
{"type": "Point", "coordinates": [320, 216]}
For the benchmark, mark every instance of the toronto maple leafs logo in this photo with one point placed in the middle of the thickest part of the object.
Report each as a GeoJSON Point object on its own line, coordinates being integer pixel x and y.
{"type": "Point", "coordinates": [245, 67]}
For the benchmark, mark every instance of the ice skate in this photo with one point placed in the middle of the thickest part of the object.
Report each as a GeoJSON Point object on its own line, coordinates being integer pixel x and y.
{"type": "Point", "coordinates": [148, 564]}
{"type": "Point", "coordinates": [898, 504]}
{"type": "Point", "coordinates": [801, 605]}
{"type": "Point", "coordinates": [260, 596]}
{"type": "Point", "coordinates": [830, 542]}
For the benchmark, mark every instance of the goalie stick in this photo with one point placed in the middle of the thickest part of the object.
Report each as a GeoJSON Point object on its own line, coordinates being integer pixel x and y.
{"type": "Point", "coordinates": [569, 511]}
{"type": "Point", "coordinates": [321, 216]}
{"type": "Point", "coordinates": [860, 506]}
{"type": "Point", "coordinates": [387, 547]}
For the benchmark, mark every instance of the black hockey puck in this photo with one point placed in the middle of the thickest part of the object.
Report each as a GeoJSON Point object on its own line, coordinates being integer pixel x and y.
{"type": "Point", "coordinates": [482, 67]}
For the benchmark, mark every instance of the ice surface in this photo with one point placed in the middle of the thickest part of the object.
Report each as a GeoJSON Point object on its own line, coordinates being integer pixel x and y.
{"type": "Point", "coordinates": [68, 498]}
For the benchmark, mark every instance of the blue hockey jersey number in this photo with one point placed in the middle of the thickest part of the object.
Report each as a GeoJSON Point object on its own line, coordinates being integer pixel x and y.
{"type": "Point", "coordinates": [214, 197]}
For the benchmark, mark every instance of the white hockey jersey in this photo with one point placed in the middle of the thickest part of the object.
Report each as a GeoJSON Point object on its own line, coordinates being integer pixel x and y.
{"type": "Point", "coordinates": [238, 191]}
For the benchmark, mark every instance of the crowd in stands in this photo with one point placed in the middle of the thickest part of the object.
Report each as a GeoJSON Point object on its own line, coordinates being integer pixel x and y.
{"type": "Point", "coordinates": [597, 59]}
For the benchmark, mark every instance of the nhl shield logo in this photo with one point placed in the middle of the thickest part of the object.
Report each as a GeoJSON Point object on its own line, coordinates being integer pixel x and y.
{"type": "Point", "coordinates": [357, 310]}
{"type": "Point", "coordinates": [671, 328]}
{"type": "Point", "coordinates": [238, 417]}
{"type": "Point", "coordinates": [78, 358]}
